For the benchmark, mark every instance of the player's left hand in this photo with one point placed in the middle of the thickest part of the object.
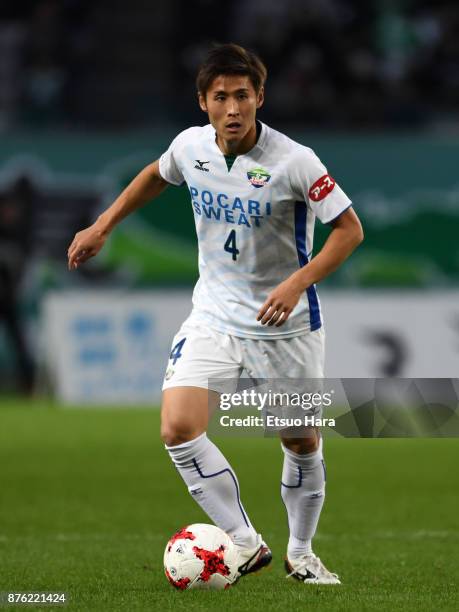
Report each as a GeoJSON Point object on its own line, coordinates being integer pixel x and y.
{"type": "Point", "coordinates": [280, 303]}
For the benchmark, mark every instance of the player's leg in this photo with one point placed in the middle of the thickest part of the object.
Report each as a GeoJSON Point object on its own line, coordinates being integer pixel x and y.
{"type": "Point", "coordinates": [288, 363]}
{"type": "Point", "coordinates": [302, 488]}
{"type": "Point", "coordinates": [303, 493]}
{"type": "Point", "coordinates": [198, 355]}
{"type": "Point", "coordinates": [303, 473]}
{"type": "Point", "coordinates": [208, 475]}
{"type": "Point", "coordinates": [304, 476]}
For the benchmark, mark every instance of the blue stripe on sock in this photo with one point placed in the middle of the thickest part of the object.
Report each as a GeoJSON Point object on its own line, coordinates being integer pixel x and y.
{"type": "Point", "coordinates": [195, 463]}
{"type": "Point", "coordinates": [300, 480]}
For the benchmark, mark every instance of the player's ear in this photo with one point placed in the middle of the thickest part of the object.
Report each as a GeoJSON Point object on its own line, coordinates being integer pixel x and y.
{"type": "Point", "coordinates": [260, 97]}
{"type": "Point", "coordinates": [202, 102]}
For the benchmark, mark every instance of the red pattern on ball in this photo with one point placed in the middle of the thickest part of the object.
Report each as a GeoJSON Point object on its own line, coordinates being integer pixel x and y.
{"type": "Point", "coordinates": [180, 584]}
{"type": "Point", "coordinates": [213, 562]}
{"type": "Point", "coordinates": [182, 534]}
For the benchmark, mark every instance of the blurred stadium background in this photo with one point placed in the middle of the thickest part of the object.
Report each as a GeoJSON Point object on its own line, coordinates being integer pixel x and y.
{"type": "Point", "coordinates": [92, 91]}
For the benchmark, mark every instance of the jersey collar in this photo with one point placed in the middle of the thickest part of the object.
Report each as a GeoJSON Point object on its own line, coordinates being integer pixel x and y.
{"type": "Point", "coordinates": [262, 130]}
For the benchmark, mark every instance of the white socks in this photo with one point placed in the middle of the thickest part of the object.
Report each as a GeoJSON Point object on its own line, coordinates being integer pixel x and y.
{"type": "Point", "coordinates": [213, 484]}
{"type": "Point", "coordinates": [303, 493]}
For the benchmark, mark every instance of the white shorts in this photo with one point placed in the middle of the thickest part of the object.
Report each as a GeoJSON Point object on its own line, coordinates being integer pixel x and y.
{"type": "Point", "coordinates": [200, 353]}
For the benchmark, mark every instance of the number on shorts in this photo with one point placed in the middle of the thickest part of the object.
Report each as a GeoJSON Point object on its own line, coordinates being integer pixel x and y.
{"type": "Point", "coordinates": [230, 245]}
{"type": "Point", "coordinates": [176, 351]}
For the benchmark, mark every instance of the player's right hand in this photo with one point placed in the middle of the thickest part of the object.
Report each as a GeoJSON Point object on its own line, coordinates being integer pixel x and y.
{"type": "Point", "coordinates": [85, 245]}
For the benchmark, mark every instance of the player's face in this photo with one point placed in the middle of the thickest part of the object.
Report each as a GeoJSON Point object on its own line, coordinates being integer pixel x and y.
{"type": "Point", "coordinates": [231, 103]}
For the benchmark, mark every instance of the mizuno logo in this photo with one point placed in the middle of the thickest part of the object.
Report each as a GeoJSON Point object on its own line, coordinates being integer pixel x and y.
{"type": "Point", "coordinates": [200, 165]}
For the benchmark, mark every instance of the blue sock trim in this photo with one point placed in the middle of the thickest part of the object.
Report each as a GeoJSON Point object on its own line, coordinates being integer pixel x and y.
{"type": "Point", "coordinates": [195, 463]}
{"type": "Point", "coordinates": [300, 480]}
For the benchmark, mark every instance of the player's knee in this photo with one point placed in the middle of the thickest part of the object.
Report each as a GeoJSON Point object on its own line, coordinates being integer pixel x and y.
{"type": "Point", "coordinates": [173, 434]}
{"type": "Point", "coordinates": [172, 437]}
{"type": "Point", "coordinates": [302, 446]}
{"type": "Point", "coordinates": [305, 447]}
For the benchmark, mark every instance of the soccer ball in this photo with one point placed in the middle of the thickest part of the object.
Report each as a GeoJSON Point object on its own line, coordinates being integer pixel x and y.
{"type": "Point", "coordinates": [200, 556]}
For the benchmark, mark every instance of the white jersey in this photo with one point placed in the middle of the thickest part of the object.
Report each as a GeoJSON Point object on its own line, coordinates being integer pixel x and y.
{"type": "Point", "coordinates": [255, 225]}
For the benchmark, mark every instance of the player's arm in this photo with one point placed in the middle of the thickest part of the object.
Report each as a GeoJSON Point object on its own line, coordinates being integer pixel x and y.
{"type": "Point", "coordinates": [148, 184]}
{"type": "Point", "coordinates": [345, 236]}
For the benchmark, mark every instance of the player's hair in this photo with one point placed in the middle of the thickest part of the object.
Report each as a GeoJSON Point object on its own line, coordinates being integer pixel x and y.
{"type": "Point", "coordinates": [233, 60]}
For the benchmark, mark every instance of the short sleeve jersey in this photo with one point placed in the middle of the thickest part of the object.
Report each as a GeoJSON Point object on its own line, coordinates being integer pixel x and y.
{"type": "Point", "coordinates": [255, 225]}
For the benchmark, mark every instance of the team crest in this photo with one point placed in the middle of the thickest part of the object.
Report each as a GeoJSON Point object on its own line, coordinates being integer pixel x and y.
{"type": "Point", "coordinates": [258, 177]}
{"type": "Point", "coordinates": [169, 373]}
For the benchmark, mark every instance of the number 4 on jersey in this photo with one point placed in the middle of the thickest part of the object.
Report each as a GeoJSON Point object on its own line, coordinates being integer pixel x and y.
{"type": "Point", "coordinates": [176, 352]}
{"type": "Point", "coordinates": [230, 245]}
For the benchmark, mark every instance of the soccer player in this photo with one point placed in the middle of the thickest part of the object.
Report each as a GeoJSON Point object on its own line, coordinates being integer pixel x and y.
{"type": "Point", "coordinates": [255, 194]}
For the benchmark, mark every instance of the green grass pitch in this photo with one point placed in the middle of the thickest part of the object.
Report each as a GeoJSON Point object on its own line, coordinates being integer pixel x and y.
{"type": "Point", "coordinates": [88, 499]}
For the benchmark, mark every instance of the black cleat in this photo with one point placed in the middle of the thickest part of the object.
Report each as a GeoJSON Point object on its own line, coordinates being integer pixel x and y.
{"type": "Point", "coordinates": [253, 559]}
